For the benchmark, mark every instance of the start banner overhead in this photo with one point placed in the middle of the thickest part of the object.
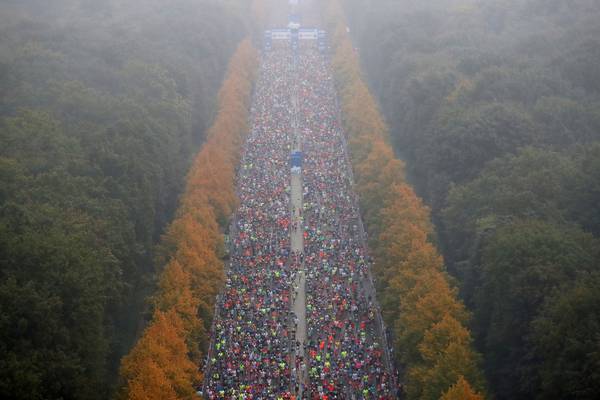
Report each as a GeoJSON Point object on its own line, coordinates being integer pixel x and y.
{"type": "Point", "coordinates": [286, 34]}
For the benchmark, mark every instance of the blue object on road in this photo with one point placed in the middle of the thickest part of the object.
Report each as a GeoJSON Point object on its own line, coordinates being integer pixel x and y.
{"type": "Point", "coordinates": [296, 159]}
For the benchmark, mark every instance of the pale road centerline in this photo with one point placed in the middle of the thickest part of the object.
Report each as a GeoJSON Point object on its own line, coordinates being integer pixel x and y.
{"type": "Point", "coordinates": [297, 246]}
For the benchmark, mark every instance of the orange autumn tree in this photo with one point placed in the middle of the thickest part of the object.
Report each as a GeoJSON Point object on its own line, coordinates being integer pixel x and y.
{"type": "Point", "coordinates": [159, 366]}
{"type": "Point", "coordinates": [165, 361]}
{"type": "Point", "coordinates": [461, 391]}
{"type": "Point", "coordinates": [418, 299]}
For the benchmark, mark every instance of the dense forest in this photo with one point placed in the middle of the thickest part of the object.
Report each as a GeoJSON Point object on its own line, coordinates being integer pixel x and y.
{"type": "Point", "coordinates": [473, 130]}
{"type": "Point", "coordinates": [495, 108]}
{"type": "Point", "coordinates": [103, 106]}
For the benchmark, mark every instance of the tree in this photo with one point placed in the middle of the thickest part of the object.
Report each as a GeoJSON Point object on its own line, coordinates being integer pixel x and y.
{"type": "Point", "coordinates": [564, 343]}
{"type": "Point", "coordinates": [159, 361]}
{"type": "Point", "coordinates": [461, 390]}
{"type": "Point", "coordinates": [533, 184]}
{"type": "Point", "coordinates": [522, 265]}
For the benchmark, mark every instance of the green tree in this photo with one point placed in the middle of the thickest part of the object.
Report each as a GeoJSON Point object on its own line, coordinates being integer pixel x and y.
{"type": "Point", "coordinates": [522, 265]}
{"type": "Point", "coordinates": [565, 342]}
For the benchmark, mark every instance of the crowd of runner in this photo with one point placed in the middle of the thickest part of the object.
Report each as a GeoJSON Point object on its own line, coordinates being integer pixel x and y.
{"type": "Point", "coordinates": [253, 346]}
{"type": "Point", "coordinates": [250, 354]}
{"type": "Point", "coordinates": [345, 352]}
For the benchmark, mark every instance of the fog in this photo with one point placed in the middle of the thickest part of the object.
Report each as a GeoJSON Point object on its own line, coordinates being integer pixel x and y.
{"type": "Point", "coordinates": [493, 106]}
